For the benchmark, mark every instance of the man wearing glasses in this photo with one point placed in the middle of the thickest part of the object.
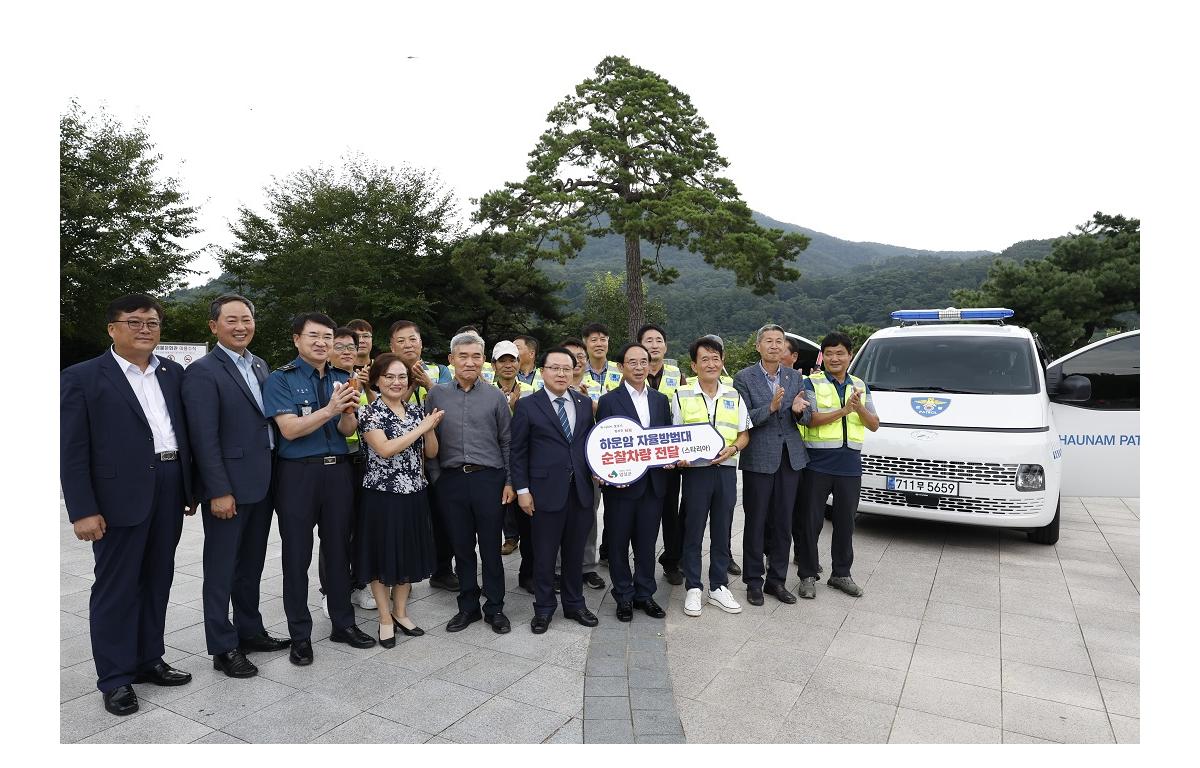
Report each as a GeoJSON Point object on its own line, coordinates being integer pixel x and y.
{"type": "Point", "coordinates": [315, 412]}
{"type": "Point", "coordinates": [125, 468]}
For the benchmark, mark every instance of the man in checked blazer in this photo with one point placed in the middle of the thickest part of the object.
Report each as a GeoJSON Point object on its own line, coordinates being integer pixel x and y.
{"type": "Point", "coordinates": [234, 450]}
{"type": "Point", "coordinates": [554, 486]}
{"type": "Point", "coordinates": [771, 464]}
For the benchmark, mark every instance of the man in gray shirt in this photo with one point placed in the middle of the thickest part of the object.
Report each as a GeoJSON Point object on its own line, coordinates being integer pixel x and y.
{"type": "Point", "coordinates": [474, 484]}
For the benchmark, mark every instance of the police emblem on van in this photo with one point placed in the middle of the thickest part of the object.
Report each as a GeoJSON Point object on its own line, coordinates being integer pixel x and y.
{"type": "Point", "coordinates": [929, 406]}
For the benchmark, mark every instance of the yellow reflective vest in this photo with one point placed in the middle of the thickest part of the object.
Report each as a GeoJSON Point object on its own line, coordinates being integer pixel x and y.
{"type": "Point", "coordinates": [671, 379]}
{"type": "Point", "coordinates": [694, 410]}
{"type": "Point", "coordinates": [831, 435]}
{"type": "Point", "coordinates": [525, 389]}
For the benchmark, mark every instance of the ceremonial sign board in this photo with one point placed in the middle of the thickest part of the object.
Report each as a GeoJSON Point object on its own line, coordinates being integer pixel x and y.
{"type": "Point", "coordinates": [184, 354]}
{"type": "Point", "coordinates": [620, 451]}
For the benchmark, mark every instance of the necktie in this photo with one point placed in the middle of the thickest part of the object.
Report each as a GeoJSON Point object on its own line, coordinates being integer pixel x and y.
{"type": "Point", "coordinates": [562, 417]}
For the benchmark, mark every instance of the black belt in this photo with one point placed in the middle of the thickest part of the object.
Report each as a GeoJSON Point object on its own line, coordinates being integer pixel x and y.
{"type": "Point", "coordinates": [327, 460]}
{"type": "Point", "coordinates": [467, 469]}
{"type": "Point", "coordinates": [167, 456]}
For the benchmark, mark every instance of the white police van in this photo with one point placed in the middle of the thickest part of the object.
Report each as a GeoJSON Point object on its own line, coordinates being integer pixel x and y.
{"type": "Point", "coordinates": [966, 432]}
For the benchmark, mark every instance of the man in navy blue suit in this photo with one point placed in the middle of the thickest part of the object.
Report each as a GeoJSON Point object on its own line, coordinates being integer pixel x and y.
{"type": "Point", "coordinates": [633, 513]}
{"type": "Point", "coordinates": [233, 447]}
{"type": "Point", "coordinates": [554, 486]}
{"type": "Point", "coordinates": [125, 469]}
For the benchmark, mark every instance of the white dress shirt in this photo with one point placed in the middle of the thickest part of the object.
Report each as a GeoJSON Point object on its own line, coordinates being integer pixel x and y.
{"type": "Point", "coordinates": [641, 402]}
{"type": "Point", "coordinates": [150, 397]}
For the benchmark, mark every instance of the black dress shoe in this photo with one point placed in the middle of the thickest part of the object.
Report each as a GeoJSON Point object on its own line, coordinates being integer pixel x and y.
{"type": "Point", "coordinates": [301, 654]}
{"type": "Point", "coordinates": [121, 700]}
{"type": "Point", "coordinates": [539, 624]}
{"type": "Point", "coordinates": [462, 620]}
{"type": "Point", "coordinates": [674, 576]}
{"type": "Point", "coordinates": [624, 611]}
{"type": "Point", "coordinates": [754, 595]}
{"type": "Point", "coordinates": [389, 642]}
{"type": "Point", "coordinates": [583, 616]}
{"type": "Point", "coordinates": [499, 623]}
{"type": "Point", "coordinates": [734, 569]}
{"type": "Point", "coordinates": [593, 580]}
{"type": "Point", "coordinates": [652, 609]}
{"type": "Point", "coordinates": [163, 674]}
{"type": "Point", "coordinates": [526, 584]}
{"type": "Point", "coordinates": [414, 632]}
{"type": "Point", "coordinates": [234, 664]}
{"type": "Point", "coordinates": [352, 636]}
{"type": "Point", "coordinates": [263, 643]}
{"type": "Point", "coordinates": [446, 581]}
{"type": "Point", "coordinates": [781, 593]}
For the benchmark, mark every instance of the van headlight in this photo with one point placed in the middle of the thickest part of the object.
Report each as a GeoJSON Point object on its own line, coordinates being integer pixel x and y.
{"type": "Point", "coordinates": [1031, 477]}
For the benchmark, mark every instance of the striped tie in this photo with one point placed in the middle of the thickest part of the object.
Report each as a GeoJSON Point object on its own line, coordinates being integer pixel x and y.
{"type": "Point", "coordinates": [562, 417]}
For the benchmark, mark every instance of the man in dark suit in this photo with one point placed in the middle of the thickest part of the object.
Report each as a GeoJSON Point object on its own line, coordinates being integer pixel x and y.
{"type": "Point", "coordinates": [633, 513]}
{"type": "Point", "coordinates": [125, 469]}
{"type": "Point", "coordinates": [771, 464]}
{"type": "Point", "coordinates": [233, 447]}
{"type": "Point", "coordinates": [549, 465]}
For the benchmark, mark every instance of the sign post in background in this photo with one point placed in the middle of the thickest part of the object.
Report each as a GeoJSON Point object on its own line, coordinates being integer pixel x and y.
{"type": "Point", "coordinates": [184, 354]}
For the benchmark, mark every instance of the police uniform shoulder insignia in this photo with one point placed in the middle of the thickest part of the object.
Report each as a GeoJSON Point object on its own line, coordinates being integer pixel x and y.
{"type": "Point", "coordinates": [287, 367]}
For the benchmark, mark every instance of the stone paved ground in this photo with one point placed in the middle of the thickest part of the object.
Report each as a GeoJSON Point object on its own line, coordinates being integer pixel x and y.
{"type": "Point", "coordinates": [965, 634]}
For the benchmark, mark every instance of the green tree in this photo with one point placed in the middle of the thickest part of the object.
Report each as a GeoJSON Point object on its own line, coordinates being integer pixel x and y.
{"type": "Point", "coordinates": [629, 154]}
{"type": "Point", "coordinates": [858, 333]}
{"type": "Point", "coordinates": [1089, 279]}
{"type": "Point", "coordinates": [120, 223]}
{"type": "Point", "coordinates": [380, 243]}
{"type": "Point", "coordinates": [604, 301]}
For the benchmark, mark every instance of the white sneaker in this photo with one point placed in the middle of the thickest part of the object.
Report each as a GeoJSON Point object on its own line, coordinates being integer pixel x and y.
{"type": "Point", "coordinates": [325, 606]}
{"type": "Point", "coordinates": [691, 603]}
{"type": "Point", "coordinates": [364, 599]}
{"type": "Point", "coordinates": [723, 599]}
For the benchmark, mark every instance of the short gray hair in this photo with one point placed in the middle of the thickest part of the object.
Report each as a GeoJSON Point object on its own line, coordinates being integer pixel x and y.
{"type": "Point", "coordinates": [768, 327]}
{"type": "Point", "coordinates": [465, 338]}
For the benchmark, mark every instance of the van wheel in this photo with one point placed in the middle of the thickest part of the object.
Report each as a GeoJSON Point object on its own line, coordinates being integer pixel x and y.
{"type": "Point", "coordinates": [1047, 534]}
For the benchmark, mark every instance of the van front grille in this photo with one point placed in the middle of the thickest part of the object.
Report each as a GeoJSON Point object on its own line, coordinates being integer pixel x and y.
{"type": "Point", "coordinates": [968, 505]}
{"type": "Point", "coordinates": [939, 469]}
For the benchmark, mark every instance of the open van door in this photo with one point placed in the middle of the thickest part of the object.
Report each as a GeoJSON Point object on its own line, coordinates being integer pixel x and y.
{"type": "Point", "coordinates": [1100, 437]}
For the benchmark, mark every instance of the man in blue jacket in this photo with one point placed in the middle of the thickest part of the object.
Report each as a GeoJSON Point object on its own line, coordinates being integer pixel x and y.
{"type": "Point", "coordinates": [125, 469]}
{"type": "Point", "coordinates": [554, 486]}
{"type": "Point", "coordinates": [234, 453]}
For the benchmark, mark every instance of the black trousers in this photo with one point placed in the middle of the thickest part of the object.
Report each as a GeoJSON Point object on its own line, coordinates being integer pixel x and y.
{"type": "Point", "coordinates": [525, 546]}
{"type": "Point", "coordinates": [672, 522]}
{"type": "Point", "coordinates": [710, 494]}
{"type": "Point", "coordinates": [800, 517]}
{"type": "Point", "coordinates": [845, 504]}
{"type": "Point", "coordinates": [512, 528]}
{"type": "Point", "coordinates": [470, 505]}
{"type": "Point", "coordinates": [633, 521]}
{"type": "Point", "coordinates": [308, 495]}
{"type": "Point", "coordinates": [234, 552]}
{"type": "Point", "coordinates": [554, 532]}
{"type": "Point", "coordinates": [768, 496]}
{"type": "Point", "coordinates": [443, 548]}
{"type": "Point", "coordinates": [134, 568]}
{"type": "Point", "coordinates": [358, 463]}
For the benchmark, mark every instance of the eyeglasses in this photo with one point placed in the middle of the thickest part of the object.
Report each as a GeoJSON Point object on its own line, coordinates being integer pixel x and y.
{"type": "Point", "coordinates": [137, 325]}
{"type": "Point", "coordinates": [362, 335]}
{"type": "Point", "coordinates": [345, 348]}
{"type": "Point", "coordinates": [326, 337]}
{"type": "Point", "coordinates": [637, 364]}
{"type": "Point", "coordinates": [557, 368]}
{"type": "Point", "coordinates": [389, 377]}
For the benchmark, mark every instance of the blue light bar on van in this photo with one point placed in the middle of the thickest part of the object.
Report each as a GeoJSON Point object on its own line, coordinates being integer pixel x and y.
{"type": "Point", "coordinates": [950, 313]}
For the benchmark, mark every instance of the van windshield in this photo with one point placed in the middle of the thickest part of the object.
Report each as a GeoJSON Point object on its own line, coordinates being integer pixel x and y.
{"type": "Point", "coordinates": [965, 365]}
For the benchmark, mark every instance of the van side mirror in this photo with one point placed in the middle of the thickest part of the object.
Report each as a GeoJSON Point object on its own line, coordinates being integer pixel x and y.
{"type": "Point", "coordinates": [1075, 388]}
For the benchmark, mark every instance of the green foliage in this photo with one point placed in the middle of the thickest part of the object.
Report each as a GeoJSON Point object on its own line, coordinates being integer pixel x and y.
{"type": "Point", "coordinates": [378, 243]}
{"type": "Point", "coordinates": [858, 333]}
{"type": "Point", "coordinates": [738, 355]}
{"type": "Point", "coordinates": [629, 155]}
{"type": "Point", "coordinates": [604, 301]}
{"type": "Point", "coordinates": [1090, 280]}
{"type": "Point", "coordinates": [120, 222]}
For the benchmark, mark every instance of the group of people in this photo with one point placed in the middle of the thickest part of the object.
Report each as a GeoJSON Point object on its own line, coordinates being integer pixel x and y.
{"type": "Point", "coordinates": [411, 470]}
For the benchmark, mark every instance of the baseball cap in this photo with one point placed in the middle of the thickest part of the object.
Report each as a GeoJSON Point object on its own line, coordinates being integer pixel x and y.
{"type": "Point", "coordinates": [504, 348]}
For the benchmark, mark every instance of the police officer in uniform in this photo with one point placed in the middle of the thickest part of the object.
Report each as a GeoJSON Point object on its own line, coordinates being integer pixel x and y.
{"type": "Point", "coordinates": [315, 411]}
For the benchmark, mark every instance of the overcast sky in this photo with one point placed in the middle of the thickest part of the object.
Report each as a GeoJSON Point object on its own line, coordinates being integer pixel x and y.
{"type": "Point", "coordinates": [940, 128]}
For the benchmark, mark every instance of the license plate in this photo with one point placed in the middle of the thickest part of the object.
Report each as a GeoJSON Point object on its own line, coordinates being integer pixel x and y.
{"type": "Point", "coordinates": [922, 485]}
